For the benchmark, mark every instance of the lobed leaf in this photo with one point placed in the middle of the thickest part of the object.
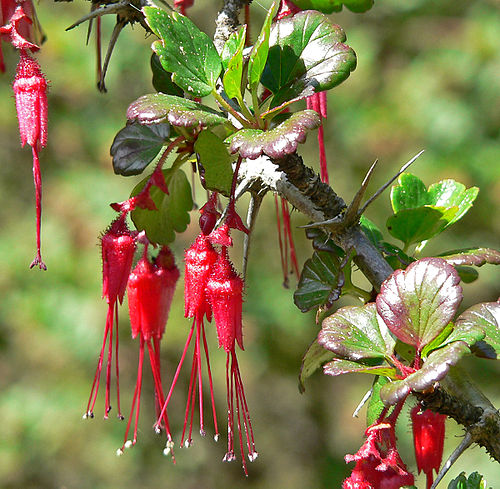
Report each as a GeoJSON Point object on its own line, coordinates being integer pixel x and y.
{"type": "Point", "coordinates": [434, 369]}
{"type": "Point", "coordinates": [472, 256]}
{"type": "Point", "coordinates": [159, 107]}
{"type": "Point", "coordinates": [172, 214]}
{"type": "Point", "coordinates": [214, 161]}
{"type": "Point", "coordinates": [474, 481]}
{"type": "Point", "coordinates": [162, 80]}
{"type": "Point", "coordinates": [306, 55]}
{"type": "Point", "coordinates": [339, 367]}
{"type": "Point", "coordinates": [486, 316]}
{"type": "Point", "coordinates": [185, 51]}
{"type": "Point", "coordinates": [409, 193]}
{"type": "Point", "coordinates": [417, 303]}
{"type": "Point", "coordinates": [276, 142]}
{"type": "Point", "coordinates": [356, 333]}
{"type": "Point", "coordinates": [320, 282]}
{"type": "Point", "coordinates": [234, 70]}
{"type": "Point", "coordinates": [136, 146]}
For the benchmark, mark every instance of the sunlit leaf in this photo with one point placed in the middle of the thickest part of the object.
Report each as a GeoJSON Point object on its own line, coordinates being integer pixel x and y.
{"type": "Point", "coordinates": [185, 51]}
{"type": "Point", "coordinates": [277, 142]}
{"type": "Point", "coordinates": [158, 107]}
{"type": "Point", "coordinates": [487, 317]}
{"type": "Point", "coordinates": [136, 146]}
{"type": "Point", "coordinates": [306, 55]}
{"type": "Point", "coordinates": [339, 367]}
{"type": "Point", "coordinates": [409, 193]}
{"type": "Point", "coordinates": [474, 481]}
{"type": "Point", "coordinates": [260, 50]}
{"type": "Point", "coordinates": [356, 333]}
{"type": "Point", "coordinates": [472, 256]}
{"type": "Point", "coordinates": [320, 282]}
{"type": "Point", "coordinates": [234, 70]}
{"type": "Point", "coordinates": [215, 170]}
{"type": "Point", "coordinates": [172, 214]}
{"type": "Point", "coordinates": [435, 368]}
{"type": "Point", "coordinates": [418, 303]}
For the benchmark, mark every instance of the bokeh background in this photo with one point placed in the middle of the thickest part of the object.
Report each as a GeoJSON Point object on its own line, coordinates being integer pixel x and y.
{"type": "Point", "coordinates": [428, 77]}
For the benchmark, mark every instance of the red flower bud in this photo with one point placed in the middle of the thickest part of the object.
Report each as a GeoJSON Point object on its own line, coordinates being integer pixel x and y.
{"type": "Point", "coordinates": [428, 439]}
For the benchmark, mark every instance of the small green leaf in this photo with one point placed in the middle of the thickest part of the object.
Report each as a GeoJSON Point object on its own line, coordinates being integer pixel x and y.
{"type": "Point", "coordinates": [375, 405]}
{"type": "Point", "coordinates": [276, 142]}
{"type": "Point", "coordinates": [420, 224]}
{"type": "Point", "coordinates": [435, 368]}
{"type": "Point", "coordinates": [216, 171]}
{"type": "Point", "coordinates": [162, 80]}
{"type": "Point", "coordinates": [234, 70]}
{"type": "Point", "coordinates": [306, 55]}
{"type": "Point", "coordinates": [339, 367]}
{"type": "Point", "coordinates": [371, 231]}
{"type": "Point", "coordinates": [467, 274]}
{"type": "Point", "coordinates": [185, 51]}
{"type": "Point", "coordinates": [231, 46]}
{"type": "Point", "coordinates": [475, 481]}
{"type": "Point", "coordinates": [356, 333]}
{"type": "Point", "coordinates": [136, 146]}
{"type": "Point", "coordinates": [260, 50]}
{"type": "Point", "coordinates": [417, 303]}
{"type": "Point", "coordinates": [487, 317]}
{"type": "Point", "coordinates": [320, 282]}
{"type": "Point", "coordinates": [321, 242]}
{"type": "Point", "coordinates": [315, 357]}
{"type": "Point", "coordinates": [329, 6]}
{"type": "Point", "coordinates": [409, 193]}
{"type": "Point", "coordinates": [173, 209]}
{"type": "Point", "coordinates": [449, 193]}
{"type": "Point", "coordinates": [472, 256]}
{"type": "Point", "coordinates": [158, 107]}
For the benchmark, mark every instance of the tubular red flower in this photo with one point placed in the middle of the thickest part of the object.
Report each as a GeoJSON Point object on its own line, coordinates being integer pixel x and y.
{"type": "Point", "coordinates": [428, 438]}
{"type": "Point", "coordinates": [225, 293]}
{"type": "Point", "coordinates": [378, 463]}
{"type": "Point", "coordinates": [30, 90]}
{"type": "Point", "coordinates": [199, 260]}
{"type": "Point", "coordinates": [182, 5]}
{"type": "Point", "coordinates": [150, 291]}
{"type": "Point", "coordinates": [117, 248]}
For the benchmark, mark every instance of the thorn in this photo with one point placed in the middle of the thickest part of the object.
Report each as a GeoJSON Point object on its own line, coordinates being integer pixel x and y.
{"type": "Point", "coordinates": [362, 403]}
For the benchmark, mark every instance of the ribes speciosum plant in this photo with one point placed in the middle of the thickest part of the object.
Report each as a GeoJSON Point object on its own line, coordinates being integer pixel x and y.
{"type": "Point", "coordinates": [150, 290]}
{"type": "Point", "coordinates": [118, 245]}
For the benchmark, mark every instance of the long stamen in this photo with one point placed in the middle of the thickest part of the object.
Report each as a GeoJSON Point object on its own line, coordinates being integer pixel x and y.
{"type": "Point", "coordinates": [190, 401]}
{"type": "Point", "coordinates": [107, 405]}
{"type": "Point", "coordinates": [280, 241]}
{"type": "Point", "coordinates": [37, 177]}
{"type": "Point", "coordinates": [288, 234]}
{"type": "Point", "coordinates": [120, 415]}
{"type": "Point", "coordinates": [200, 380]}
{"type": "Point", "coordinates": [205, 346]}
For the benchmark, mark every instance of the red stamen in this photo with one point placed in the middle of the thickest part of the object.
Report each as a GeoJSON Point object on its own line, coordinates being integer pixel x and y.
{"type": "Point", "coordinates": [284, 268]}
{"type": "Point", "coordinates": [288, 234]}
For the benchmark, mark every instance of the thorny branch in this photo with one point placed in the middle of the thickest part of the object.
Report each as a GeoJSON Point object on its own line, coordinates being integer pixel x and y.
{"type": "Point", "coordinates": [455, 396]}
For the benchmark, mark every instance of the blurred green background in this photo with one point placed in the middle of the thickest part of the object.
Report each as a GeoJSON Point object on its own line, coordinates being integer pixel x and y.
{"type": "Point", "coordinates": [428, 77]}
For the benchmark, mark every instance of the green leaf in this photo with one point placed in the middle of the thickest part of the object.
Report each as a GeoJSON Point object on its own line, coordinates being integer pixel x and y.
{"type": "Point", "coordinates": [410, 193]}
{"type": "Point", "coordinates": [234, 70]}
{"type": "Point", "coordinates": [329, 6]}
{"type": "Point", "coordinates": [320, 282]}
{"type": "Point", "coordinates": [449, 193]}
{"type": "Point", "coordinates": [420, 224]}
{"type": "Point", "coordinates": [313, 359]}
{"type": "Point", "coordinates": [371, 231]}
{"type": "Point", "coordinates": [435, 368]}
{"type": "Point", "coordinates": [416, 304]}
{"type": "Point", "coordinates": [173, 209]}
{"type": "Point", "coordinates": [375, 405]}
{"type": "Point", "coordinates": [306, 55]}
{"type": "Point", "coordinates": [322, 242]}
{"type": "Point", "coordinates": [467, 274]}
{"type": "Point", "coordinates": [158, 107]}
{"type": "Point", "coordinates": [260, 50]}
{"type": "Point", "coordinates": [231, 46]}
{"type": "Point", "coordinates": [276, 142]}
{"type": "Point", "coordinates": [472, 256]}
{"type": "Point", "coordinates": [475, 481]}
{"type": "Point", "coordinates": [216, 172]}
{"type": "Point", "coordinates": [136, 146]}
{"type": "Point", "coordinates": [487, 317]}
{"type": "Point", "coordinates": [162, 80]}
{"type": "Point", "coordinates": [339, 367]}
{"type": "Point", "coordinates": [185, 51]}
{"type": "Point", "coordinates": [355, 333]}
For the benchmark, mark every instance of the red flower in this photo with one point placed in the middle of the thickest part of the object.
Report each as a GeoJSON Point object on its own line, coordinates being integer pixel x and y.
{"type": "Point", "coordinates": [182, 5]}
{"type": "Point", "coordinates": [30, 90]}
{"type": "Point", "coordinates": [150, 291]}
{"type": "Point", "coordinates": [378, 464]}
{"type": "Point", "coordinates": [428, 439]}
{"type": "Point", "coordinates": [199, 261]}
{"type": "Point", "coordinates": [117, 248]}
{"type": "Point", "coordinates": [225, 293]}
{"type": "Point", "coordinates": [287, 8]}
